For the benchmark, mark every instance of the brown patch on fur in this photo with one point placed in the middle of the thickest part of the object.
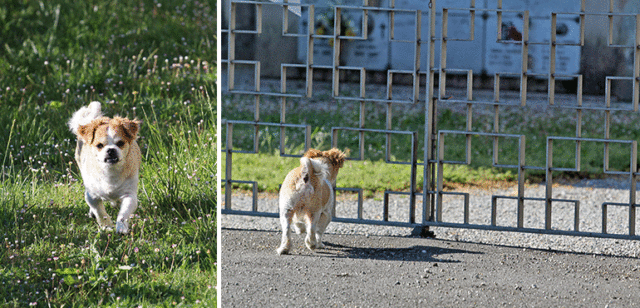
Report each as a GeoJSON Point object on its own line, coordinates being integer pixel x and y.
{"type": "Point", "coordinates": [129, 128]}
{"type": "Point", "coordinates": [88, 132]}
{"type": "Point", "coordinates": [334, 158]}
{"type": "Point", "coordinates": [124, 127]}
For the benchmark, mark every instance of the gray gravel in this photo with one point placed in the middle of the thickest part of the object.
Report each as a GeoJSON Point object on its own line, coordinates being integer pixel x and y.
{"type": "Point", "coordinates": [590, 193]}
{"type": "Point", "coordinates": [373, 266]}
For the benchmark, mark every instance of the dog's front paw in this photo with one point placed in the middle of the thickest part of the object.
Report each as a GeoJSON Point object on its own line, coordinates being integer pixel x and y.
{"type": "Point", "coordinates": [122, 227]}
{"type": "Point", "coordinates": [107, 225]}
{"type": "Point", "coordinates": [282, 250]}
{"type": "Point", "coordinates": [310, 243]}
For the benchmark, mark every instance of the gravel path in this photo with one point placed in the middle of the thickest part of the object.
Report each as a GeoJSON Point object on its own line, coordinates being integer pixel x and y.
{"type": "Point", "coordinates": [590, 193]}
{"type": "Point", "coordinates": [374, 266]}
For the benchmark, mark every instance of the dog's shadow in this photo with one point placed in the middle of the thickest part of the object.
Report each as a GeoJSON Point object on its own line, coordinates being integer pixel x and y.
{"type": "Point", "coordinates": [417, 253]}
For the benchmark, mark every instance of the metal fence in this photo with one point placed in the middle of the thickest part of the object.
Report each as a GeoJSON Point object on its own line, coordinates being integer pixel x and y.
{"type": "Point", "coordinates": [427, 86]}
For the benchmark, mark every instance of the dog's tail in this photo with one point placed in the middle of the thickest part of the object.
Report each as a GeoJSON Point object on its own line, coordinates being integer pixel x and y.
{"type": "Point", "coordinates": [84, 116]}
{"type": "Point", "coordinates": [315, 166]}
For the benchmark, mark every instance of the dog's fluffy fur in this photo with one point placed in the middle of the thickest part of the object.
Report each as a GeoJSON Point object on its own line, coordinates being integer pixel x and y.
{"type": "Point", "coordinates": [109, 160]}
{"type": "Point", "coordinates": [306, 197]}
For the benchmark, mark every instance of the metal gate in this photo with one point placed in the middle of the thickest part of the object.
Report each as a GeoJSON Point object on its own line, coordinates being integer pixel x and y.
{"type": "Point", "coordinates": [425, 38]}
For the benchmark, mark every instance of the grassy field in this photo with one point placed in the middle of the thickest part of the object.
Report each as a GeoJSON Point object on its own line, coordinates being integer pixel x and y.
{"type": "Point", "coordinates": [151, 60]}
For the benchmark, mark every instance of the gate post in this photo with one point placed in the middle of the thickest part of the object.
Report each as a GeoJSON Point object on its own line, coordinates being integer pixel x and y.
{"type": "Point", "coordinates": [428, 188]}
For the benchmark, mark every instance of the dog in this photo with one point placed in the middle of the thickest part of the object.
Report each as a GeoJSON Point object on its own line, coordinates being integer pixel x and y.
{"type": "Point", "coordinates": [109, 159]}
{"type": "Point", "coordinates": [306, 197]}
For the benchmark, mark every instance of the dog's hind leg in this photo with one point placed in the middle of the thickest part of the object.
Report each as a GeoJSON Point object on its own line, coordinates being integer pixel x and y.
{"type": "Point", "coordinates": [324, 220]}
{"type": "Point", "coordinates": [285, 222]}
{"type": "Point", "coordinates": [325, 217]}
{"type": "Point", "coordinates": [310, 240]}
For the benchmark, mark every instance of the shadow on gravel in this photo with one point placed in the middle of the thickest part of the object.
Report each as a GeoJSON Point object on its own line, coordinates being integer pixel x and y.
{"type": "Point", "coordinates": [415, 253]}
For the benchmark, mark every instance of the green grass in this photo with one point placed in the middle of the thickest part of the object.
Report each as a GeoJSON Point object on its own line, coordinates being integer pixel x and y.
{"type": "Point", "coordinates": [270, 170]}
{"type": "Point", "coordinates": [151, 60]}
{"type": "Point", "coordinates": [374, 175]}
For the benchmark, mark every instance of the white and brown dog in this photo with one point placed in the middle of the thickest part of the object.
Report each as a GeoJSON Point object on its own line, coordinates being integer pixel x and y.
{"type": "Point", "coordinates": [109, 160]}
{"type": "Point", "coordinates": [306, 197]}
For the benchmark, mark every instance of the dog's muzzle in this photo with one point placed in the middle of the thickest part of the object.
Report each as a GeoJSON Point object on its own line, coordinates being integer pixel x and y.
{"type": "Point", "coordinates": [112, 156]}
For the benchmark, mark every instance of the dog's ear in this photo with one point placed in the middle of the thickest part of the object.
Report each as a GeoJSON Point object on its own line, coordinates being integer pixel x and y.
{"type": "Point", "coordinates": [313, 153]}
{"type": "Point", "coordinates": [335, 156]}
{"type": "Point", "coordinates": [87, 132]}
{"type": "Point", "coordinates": [130, 127]}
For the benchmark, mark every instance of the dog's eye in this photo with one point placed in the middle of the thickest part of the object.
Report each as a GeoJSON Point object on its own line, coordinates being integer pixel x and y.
{"type": "Point", "coordinates": [100, 146]}
{"type": "Point", "coordinates": [120, 143]}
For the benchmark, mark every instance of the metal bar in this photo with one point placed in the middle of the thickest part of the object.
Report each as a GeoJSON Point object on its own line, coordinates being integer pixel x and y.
{"type": "Point", "coordinates": [549, 184]}
{"type": "Point", "coordinates": [337, 24]}
{"type": "Point", "coordinates": [231, 45]}
{"type": "Point", "coordinates": [636, 66]}
{"type": "Point", "coordinates": [632, 185]}
{"type": "Point", "coordinates": [283, 107]}
{"type": "Point", "coordinates": [443, 55]}
{"type": "Point", "coordinates": [439, 177]}
{"type": "Point", "coordinates": [552, 59]}
{"type": "Point", "coordinates": [417, 52]}
{"type": "Point", "coordinates": [429, 171]}
{"type": "Point", "coordinates": [228, 166]}
{"type": "Point", "coordinates": [310, 42]}
{"type": "Point", "coordinates": [413, 186]}
{"type": "Point", "coordinates": [521, 178]}
{"type": "Point", "coordinates": [467, 136]}
{"type": "Point", "coordinates": [525, 59]}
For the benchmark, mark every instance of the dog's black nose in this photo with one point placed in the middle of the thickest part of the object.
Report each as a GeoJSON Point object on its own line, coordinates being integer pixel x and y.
{"type": "Point", "coordinates": [112, 156]}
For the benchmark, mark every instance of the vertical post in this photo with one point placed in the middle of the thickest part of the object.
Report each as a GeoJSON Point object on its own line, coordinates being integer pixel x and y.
{"type": "Point", "coordinates": [283, 106]}
{"type": "Point", "coordinates": [468, 136]}
{"type": "Point", "coordinates": [256, 114]}
{"type": "Point", "coordinates": [521, 177]}
{"type": "Point", "coordinates": [430, 125]}
{"type": "Point", "coordinates": [443, 54]}
{"type": "Point", "coordinates": [636, 66]}
{"type": "Point", "coordinates": [310, 33]}
{"type": "Point", "coordinates": [632, 189]}
{"type": "Point", "coordinates": [525, 59]}
{"type": "Point", "coordinates": [416, 63]}
{"type": "Point", "coordinates": [387, 153]}
{"type": "Point", "coordinates": [363, 76]}
{"type": "Point", "coordinates": [552, 60]}
{"type": "Point", "coordinates": [549, 185]}
{"type": "Point", "coordinates": [499, 20]}
{"type": "Point", "coordinates": [232, 45]}
{"type": "Point", "coordinates": [582, 21]}
{"type": "Point", "coordinates": [496, 130]}
{"type": "Point", "coordinates": [440, 177]}
{"type": "Point", "coordinates": [610, 16]}
{"type": "Point", "coordinates": [414, 167]}
{"type": "Point", "coordinates": [337, 24]}
{"type": "Point", "coordinates": [227, 174]}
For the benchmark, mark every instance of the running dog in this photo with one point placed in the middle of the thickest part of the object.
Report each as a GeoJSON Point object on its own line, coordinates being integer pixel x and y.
{"type": "Point", "coordinates": [109, 160]}
{"type": "Point", "coordinates": [306, 197]}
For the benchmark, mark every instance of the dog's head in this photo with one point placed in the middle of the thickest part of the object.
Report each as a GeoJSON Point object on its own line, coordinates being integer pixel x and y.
{"type": "Point", "coordinates": [109, 139]}
{"type": "Point", "coordinates": [334, 158]}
